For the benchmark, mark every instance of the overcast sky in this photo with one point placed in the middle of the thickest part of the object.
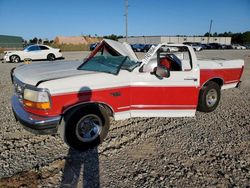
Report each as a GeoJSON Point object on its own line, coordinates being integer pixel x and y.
{"type": "Point", "coordinates": [50, 18]}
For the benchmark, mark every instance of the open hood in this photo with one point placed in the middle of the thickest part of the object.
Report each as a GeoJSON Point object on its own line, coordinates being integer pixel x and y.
{"type": "Point", "coordinates": [123, 49]}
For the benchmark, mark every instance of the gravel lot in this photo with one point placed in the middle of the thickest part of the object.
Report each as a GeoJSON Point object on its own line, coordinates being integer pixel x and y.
{"type": "Point", "coordinates": [210, 150]}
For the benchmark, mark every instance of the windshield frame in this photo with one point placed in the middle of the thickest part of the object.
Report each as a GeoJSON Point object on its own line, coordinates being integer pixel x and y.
{"type": "Point", "coordinates": [129, 64]}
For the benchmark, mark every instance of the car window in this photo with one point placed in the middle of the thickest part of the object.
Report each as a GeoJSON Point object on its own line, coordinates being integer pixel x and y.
{"type": "Point", "coordinates": [33, 48]}
{"type": "Point", "coordinates": [43, 48]}
{"type": "Point", "coordinates": [175, 58]}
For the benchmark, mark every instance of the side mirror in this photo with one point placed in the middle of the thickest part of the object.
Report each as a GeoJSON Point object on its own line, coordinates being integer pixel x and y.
{"type": "Point", "coordinates": [162, 72]}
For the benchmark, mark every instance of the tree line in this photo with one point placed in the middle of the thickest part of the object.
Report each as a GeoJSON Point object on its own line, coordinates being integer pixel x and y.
{"type": "Point", "coordinates": [237, 38]}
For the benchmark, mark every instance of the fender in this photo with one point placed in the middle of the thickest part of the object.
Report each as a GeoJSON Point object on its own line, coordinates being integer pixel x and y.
{"type": "Point", "coordinates": [218, 80]}
{"type": "Point", "coordinates": [110, 109]}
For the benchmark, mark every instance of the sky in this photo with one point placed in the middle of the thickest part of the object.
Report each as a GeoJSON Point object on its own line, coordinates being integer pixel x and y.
{"type": "Point", "coordinates": [51, 18]}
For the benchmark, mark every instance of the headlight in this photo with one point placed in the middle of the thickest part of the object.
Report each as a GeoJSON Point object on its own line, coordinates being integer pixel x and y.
{"type": "Point", "coordinates": [36, 99]}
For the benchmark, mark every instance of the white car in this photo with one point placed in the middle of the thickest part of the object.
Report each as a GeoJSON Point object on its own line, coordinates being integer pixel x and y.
{"type": "Point", "coordinates": [197, 47]}
{"type": "Point", "coordinates": [33, 52]}
{"type": "Point", "coordinates": [238, 47]}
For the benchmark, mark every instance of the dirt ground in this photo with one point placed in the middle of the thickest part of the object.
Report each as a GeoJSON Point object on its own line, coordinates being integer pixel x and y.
{"type": "Point", "coordinates": [209, 150]}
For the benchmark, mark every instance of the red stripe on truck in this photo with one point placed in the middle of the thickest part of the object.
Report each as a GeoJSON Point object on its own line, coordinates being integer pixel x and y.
{"type": "Point", "coordinates": [145, 96]}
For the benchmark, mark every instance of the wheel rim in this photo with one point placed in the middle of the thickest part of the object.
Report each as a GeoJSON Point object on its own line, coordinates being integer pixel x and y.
{"type": "Point", "coordinates": [88, 128]}
{"type": "Point", "coordinates": [14, 59]}
{"type": "Point", "coordinates": [51, 57]}
{"type": "Point", "coordinates": [211, 97]}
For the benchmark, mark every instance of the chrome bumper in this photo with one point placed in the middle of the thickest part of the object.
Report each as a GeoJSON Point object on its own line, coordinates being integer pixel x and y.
{"type": "Point", "coordinates": [34, 123]}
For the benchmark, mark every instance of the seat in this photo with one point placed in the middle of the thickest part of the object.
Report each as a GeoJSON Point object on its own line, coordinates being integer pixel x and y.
{"type": "Point", "coordinates": [166, 63]}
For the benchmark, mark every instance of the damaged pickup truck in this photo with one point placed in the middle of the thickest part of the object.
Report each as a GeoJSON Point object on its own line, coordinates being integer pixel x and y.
{"type": "Point", "coordinates": [78, 98]}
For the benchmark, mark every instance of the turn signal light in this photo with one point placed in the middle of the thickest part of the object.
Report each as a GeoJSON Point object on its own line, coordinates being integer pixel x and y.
{"type": "Point", "coordinates": [38, 105]}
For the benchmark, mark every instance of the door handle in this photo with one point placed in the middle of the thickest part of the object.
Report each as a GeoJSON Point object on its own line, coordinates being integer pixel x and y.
{"type": "Point", "coordinates": [191, 78]}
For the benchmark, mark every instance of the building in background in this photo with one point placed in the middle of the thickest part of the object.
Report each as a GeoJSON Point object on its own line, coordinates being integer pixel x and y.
{"type": "Point", "coordinates": [175, 39]}
{"type": "Point", "coordinates": [11, 42]}
{"type": "Point", "coordinates": [75, 40]}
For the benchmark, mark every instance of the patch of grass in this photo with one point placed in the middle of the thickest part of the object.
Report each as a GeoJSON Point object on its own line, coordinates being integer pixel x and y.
{"type": "Point", "coordinates": [71, 47]}
{"type": "Point", "coordinates": [9, 49]}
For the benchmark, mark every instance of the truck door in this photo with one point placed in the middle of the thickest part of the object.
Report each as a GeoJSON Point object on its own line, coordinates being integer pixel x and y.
{"type": "Point", "coordinates": [175, 96]}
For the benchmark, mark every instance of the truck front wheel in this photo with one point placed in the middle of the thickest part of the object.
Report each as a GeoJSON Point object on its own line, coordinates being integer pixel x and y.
{"type": "Point", "coordinates": [87, 127]}
{"type": "Point", "coordinates": [209, 97]}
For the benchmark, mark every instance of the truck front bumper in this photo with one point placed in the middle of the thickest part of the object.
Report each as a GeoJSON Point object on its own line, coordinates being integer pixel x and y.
{"type": "Point", "coordinates": [34, 123]}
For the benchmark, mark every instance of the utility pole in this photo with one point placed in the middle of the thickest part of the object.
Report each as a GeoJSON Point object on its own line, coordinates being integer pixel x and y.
{"type": "Point", "coordinates": [210, 27]}
{"type": "Point", "coordinates": [126, 19]}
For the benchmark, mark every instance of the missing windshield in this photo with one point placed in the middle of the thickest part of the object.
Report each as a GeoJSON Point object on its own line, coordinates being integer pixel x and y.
{"type": "Point", "coordinates": [109, 64]}
{"type": "Point", "coordinates": [106, 59]}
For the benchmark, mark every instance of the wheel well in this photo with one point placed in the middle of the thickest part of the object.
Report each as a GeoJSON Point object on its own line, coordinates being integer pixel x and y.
{"type": "Point", "coordinates": [51, 54]}
{"type": "Point", "coordinates": [68, 112]}
{"type": "Point", "coordinates": [219, 81]}
{"type": "Point", "coordinates": [15, 55]}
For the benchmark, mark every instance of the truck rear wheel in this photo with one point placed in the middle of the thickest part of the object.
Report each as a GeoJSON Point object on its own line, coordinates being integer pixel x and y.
{"type": "Point", "coordinates": [87, 127]}
{"type": "Point", "coordinates": [209, 97]}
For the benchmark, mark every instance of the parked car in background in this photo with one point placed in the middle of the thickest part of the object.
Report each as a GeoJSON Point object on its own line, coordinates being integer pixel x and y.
{"type": "Point", "coordinates": [188, 43]}
{"type": "Point", "coordinates": [93, 46]}
{"type": "Point", "coordinates": [148, 46]}
{"type": "Point", "coordinates": [138, 47]}
{"type": "Point", "coordinates": [247, 46]}
{"type": "Point", "coordinates": [215, 45]}
{"type": "Point", "coordinates": [196, 45]}
{"type": "Point", "coordinates": [238, 47]}
{"type": "Point", "coordinates": [226, 46]}
{"type": "Point", "coordinates": [205, 46]}
{"type": "Point", "coordinates": [33, 52]}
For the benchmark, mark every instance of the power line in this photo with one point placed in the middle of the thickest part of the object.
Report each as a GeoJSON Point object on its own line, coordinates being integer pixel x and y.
{"type": "Point", "coordinates": [210, 27]}
{"type": "Point", "coordinates": [126, 19]}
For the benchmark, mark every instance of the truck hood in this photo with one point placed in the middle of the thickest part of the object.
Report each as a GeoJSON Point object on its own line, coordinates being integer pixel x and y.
{"type": "Point", "coordinates": [35, 73]}
{"type": "Point", "coordinates": [123, 49]}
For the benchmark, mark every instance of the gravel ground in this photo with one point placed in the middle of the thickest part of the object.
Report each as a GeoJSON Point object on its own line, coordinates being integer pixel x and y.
{"type": "Point", "coordinates": [210, 150]}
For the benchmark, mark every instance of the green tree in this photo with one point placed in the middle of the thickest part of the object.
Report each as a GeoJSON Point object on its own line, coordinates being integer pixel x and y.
{"type": "Point", "coordinates": [237, 38]}
{"type": "Point", "coordinates": [206, 34]}
{"type": "Point", "coordinates": [246, 37]}
{"type": "Point", "coordinates": [33, 41]}
{"type": "Point", "coordinates": [113, 37]}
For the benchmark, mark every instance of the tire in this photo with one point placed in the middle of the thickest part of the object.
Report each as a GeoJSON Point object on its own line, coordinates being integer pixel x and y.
{"type": "Point", "coordinates": [209, 97]}
{"type": "Point", "coordinates": [15, 59]}
{"type": "Point", "coordinates": [87, 127]}
{"type": "Point", "coordinates": [51, 57]}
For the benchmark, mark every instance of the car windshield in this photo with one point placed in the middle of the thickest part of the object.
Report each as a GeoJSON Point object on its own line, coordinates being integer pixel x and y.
{"type": "Point", "coordinates": [26, 48]}
{"type": "Point", "coordinates": [31, 48]}
{"type": "Point", "coordinates": [106, 59]}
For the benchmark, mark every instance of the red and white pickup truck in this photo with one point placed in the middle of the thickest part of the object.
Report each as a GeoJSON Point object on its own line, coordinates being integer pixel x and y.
{"type": "Point", "coordinates": [78, 98]}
